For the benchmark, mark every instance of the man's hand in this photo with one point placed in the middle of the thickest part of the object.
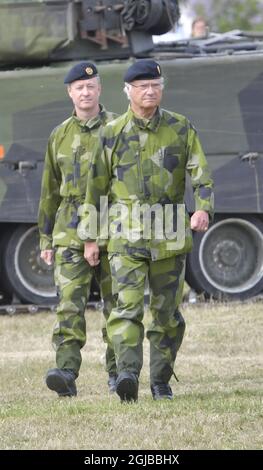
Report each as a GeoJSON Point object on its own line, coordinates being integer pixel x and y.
{"type": "Point", "coordinates": [199, 221]}
{"type": "Point", "coordinates": [91, 253]}
{"type": "Point", "coordinates": [47, 256]}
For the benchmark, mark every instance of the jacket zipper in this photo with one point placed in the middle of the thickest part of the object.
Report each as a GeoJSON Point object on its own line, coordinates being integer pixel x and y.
{"type": "Point", "coordinates": [160, 152]}
{"type": "Point", "coordinates": [74, 166]}
{"type": "Point", "coordinates": [140, 176]}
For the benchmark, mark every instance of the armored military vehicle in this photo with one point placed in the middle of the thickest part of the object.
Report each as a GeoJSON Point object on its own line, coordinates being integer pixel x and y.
{"type": "Point", "coordinates": [217, 82]}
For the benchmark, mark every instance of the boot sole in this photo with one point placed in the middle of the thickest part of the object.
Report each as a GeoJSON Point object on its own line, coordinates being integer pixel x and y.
{"type": "Point", "coordinates": [58, 384]}
{"type": "Point", "coordinates": [127, 390]}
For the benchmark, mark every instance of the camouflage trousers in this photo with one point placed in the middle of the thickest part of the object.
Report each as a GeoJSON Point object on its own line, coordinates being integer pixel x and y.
{"type": "Point", "coordinates": [73, 277]}
{"type": "Point", "coordinates": [125, 327]}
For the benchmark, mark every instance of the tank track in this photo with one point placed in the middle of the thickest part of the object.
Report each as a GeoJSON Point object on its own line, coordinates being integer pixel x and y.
{"type": "Point", "coordinates": [16, 308]}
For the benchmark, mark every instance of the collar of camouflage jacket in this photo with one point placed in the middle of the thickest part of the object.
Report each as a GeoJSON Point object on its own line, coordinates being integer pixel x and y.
{"type": "Point", "coordinates": [94, 122]}
{"type": "Point", "coordinates": [151, 124]}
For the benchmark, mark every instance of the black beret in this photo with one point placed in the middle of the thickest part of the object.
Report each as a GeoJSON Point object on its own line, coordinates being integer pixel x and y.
{"type": "Point", "coordinates": [143, 69]}
{"type": "Point", "coordinates": [81, 71]}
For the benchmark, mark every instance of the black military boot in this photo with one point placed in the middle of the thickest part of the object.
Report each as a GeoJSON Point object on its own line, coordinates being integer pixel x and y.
{"type": "Point", "coordinates": [127, 386]}
{"type": "Point", "coordinates": [62, 381]}
{"type": "Point", "coordinates": [112, 383]}
{"type": "Point", "coordinates": [160, 391]}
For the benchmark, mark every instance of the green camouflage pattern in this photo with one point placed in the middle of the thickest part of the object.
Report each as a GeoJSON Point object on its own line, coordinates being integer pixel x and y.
{"type": "Point", "coordinates": [64, 180]}
{"type": "Point", "coordinates": [143, 161]}
{"type": "Point", "coordinates": [228, 119]}
{"type": "Point", "coordinates": [73, 277]}
{"type": "Point", "coordinates": [32, 30]}
{"type": "Point", "coordinates": [64, 183]}
{"type": "Point", "coordinates": [45, 30]}
{"type": "Point", "coordinates": [125, 327]}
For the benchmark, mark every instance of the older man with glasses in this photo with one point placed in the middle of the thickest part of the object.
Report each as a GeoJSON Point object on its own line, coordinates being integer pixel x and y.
{"type": "Point", "coordinates": [141, 164]}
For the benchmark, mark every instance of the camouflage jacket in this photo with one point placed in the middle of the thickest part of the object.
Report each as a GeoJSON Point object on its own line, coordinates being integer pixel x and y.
{"type": "Point", "coordinates": [65, 177]}
{"type": "Point", "coordinates": [142, 164]}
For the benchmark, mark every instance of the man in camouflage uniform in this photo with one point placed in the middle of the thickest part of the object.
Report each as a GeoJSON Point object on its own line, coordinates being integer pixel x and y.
{"type": "Point", "coordinates": [63, 190]}
{"type": "Point", "coordinates": [141, 163]}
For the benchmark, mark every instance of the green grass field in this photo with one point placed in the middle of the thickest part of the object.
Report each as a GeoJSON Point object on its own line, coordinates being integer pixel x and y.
{"type": "Point", "coordinates": [217, 404]}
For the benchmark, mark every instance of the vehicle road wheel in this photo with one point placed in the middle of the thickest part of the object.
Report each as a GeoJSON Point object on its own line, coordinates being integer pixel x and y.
{"type": "Point", "coordinates": [227, 261]}
{"type": "Point", "coordinates": [24, 273]}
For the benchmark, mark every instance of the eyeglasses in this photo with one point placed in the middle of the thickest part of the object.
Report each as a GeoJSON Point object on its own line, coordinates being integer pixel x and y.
{"type": "Point", "coordinates": [145, 86]}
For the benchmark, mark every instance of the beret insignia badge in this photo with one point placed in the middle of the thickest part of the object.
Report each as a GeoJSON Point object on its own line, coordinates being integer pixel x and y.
{"type": "Point", "coordinates": [89, 71]}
